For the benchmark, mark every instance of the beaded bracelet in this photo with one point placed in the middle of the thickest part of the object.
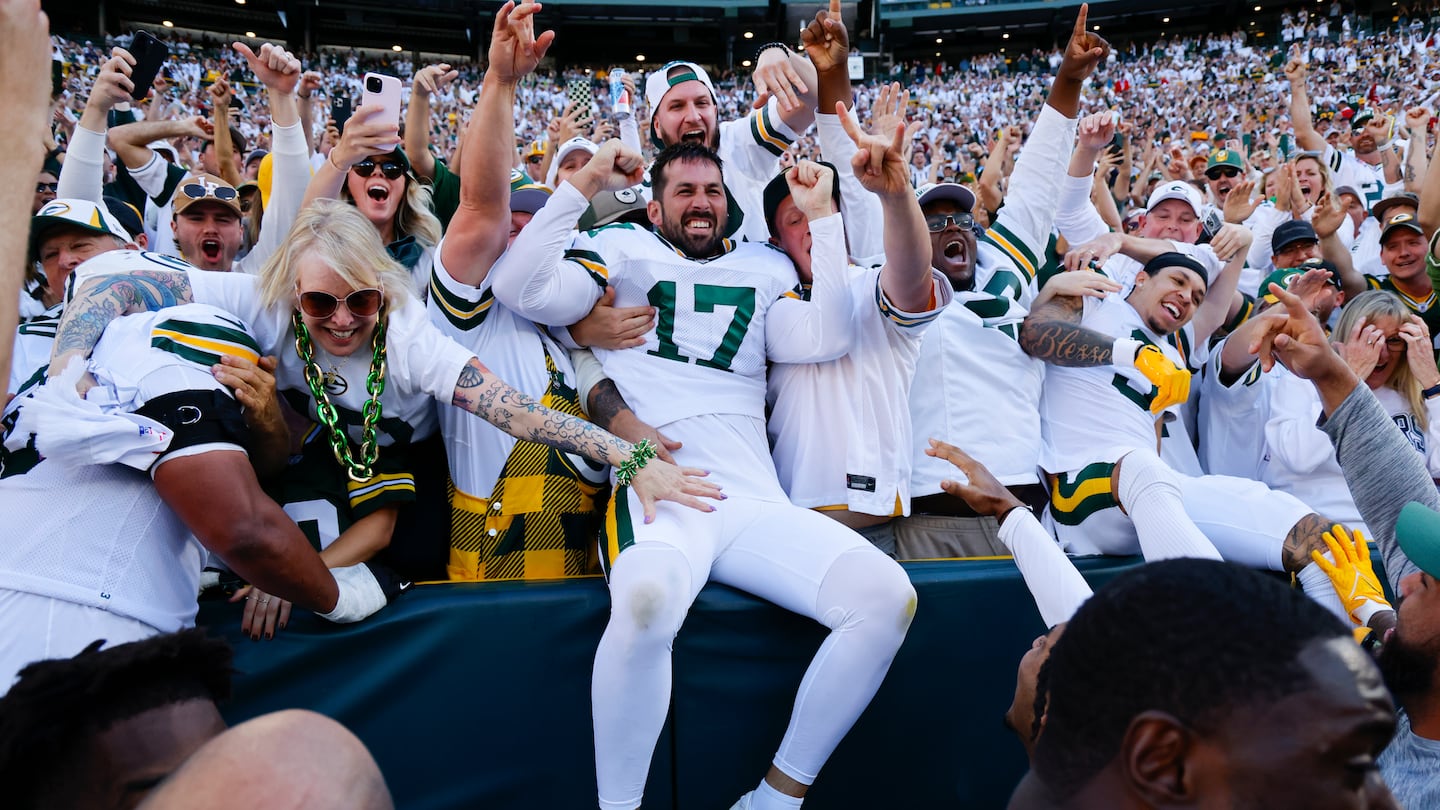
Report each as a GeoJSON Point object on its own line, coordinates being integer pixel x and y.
{"type": "Point", "coordinates": [767, 46]}
{"type": "Point", "coordinates": [640, 455]}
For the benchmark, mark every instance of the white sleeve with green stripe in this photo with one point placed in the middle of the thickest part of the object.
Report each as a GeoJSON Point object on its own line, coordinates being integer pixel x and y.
{"type": "Point", "coordinates": [1022, 228]}
{"type": "Point", "coordinates": [551, 274]}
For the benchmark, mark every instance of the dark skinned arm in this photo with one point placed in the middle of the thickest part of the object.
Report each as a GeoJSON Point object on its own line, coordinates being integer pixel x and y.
{"type": "Point", "coordinates": [245, 528]}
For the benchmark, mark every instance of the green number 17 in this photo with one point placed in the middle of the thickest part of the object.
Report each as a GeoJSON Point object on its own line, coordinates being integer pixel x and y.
{"type": "Point", "coordinates": [707, 298]}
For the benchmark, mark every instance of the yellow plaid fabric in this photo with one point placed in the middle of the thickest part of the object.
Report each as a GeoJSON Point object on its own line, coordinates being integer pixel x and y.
{"type": "Point", "coordinates": [541, 521]}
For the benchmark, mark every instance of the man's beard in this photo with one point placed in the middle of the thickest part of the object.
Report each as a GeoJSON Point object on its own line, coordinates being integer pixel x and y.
{"type": "Point", "coordinates": [696, 246]}
{"type": "Point", "coordinates": [1408, 669]}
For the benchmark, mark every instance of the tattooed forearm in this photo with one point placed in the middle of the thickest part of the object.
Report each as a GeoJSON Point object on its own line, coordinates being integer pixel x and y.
{"type": "Point", "coordinates": [605, 403]}
{"type": "Point", "coordinates": [1065, 344]}
{"type": "Point", "coordinates": [106, 298]}
{"type": "Point", "coordinates": [495, 401]}
{"type": "Point", "coordinates": [1305, 536]}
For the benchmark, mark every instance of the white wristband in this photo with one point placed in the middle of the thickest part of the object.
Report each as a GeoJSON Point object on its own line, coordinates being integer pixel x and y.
{"type": "Point", "coordinates": [1123, 352]}
{"type": "Point", "coordinates": [360, 594]}
{"type": "Point", "coordinates": [1367, 610]}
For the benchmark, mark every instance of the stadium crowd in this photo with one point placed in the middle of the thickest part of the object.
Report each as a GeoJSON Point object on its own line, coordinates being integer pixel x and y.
{"type": "Point", "coordinates": [776, 330]}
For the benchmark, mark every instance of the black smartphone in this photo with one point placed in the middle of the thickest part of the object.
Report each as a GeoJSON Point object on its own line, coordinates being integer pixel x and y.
{"type": "Point", "coordinates": [150, 54]}
{"type": "Point", "coordinates": [340, 111]}
{"type": "Point", "coordinates": [57, 78]}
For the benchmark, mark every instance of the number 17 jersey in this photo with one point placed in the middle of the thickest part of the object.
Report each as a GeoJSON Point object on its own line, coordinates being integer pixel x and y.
{"type": "Point", "coordinates": [707, 353]}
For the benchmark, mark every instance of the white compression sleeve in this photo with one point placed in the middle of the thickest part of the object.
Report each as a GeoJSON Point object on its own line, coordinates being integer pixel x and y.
{"type": "Point", "coordinates": [1149, 491]}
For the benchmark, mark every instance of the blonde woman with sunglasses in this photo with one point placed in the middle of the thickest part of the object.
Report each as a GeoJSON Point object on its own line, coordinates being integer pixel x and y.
{"type": "Point", "coordinates": [358, 351]}
{"type": "Point", "coordinates": [1389, 349]}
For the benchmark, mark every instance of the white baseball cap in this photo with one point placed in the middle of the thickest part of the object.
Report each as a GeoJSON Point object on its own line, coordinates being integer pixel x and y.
{"type": "Point", "coordinates": [573, 145]}
{"type": "Point", "coordinates": [659, 82]}
{"type": "Point", "coordinates": [1176, 190]}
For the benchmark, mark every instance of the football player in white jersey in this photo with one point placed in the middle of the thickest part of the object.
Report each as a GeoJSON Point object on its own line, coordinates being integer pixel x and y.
{"type": "Point", "coordinates": [1114, 374]}
{"type": "Point", "coordinates": [117, 557]}
{"type": "Point", "coordinates": [725, 310]}
{"type": "Point", "coordinates": [971, 349]}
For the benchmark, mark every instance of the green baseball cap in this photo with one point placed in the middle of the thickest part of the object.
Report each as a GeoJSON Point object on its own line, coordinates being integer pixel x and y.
{"type": "Point", "coordinates": [1418, 532]}
{"type": "Point", "coordinates": [1284, 277]}
{"type": "Point", "coordinates": [1224, 157]}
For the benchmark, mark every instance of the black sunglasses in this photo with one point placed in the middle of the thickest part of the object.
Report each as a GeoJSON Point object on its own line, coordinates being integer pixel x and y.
{"type": "Point", "coordinates": [389, 168]}
{"type": "Point", "coordinates": [939, 222]}
{"type": "Point", "coordinates": [199, 191]}
{"type": "Point", "coordinates": [1217, 172]}
{"type": "Point", "coordinates": [361, 303]}
{"type": "Point", "coordinates": [44, 188]}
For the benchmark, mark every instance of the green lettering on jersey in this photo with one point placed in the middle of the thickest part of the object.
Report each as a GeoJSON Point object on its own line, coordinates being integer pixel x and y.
{"type": "Point", "coordinates": [709, 296]}
{"type": "Point", "coordinates": [662, 296]}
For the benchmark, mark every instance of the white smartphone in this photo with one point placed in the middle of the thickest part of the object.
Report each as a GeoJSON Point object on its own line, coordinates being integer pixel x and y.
{"type": "Point", "coordinates": [384, 91]}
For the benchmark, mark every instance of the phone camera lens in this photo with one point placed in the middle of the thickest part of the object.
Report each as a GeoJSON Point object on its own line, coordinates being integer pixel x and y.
{"type": "Point", "coordinates": [372, 84]}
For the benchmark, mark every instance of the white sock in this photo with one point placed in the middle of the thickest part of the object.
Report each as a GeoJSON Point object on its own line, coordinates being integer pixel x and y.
{"type": "Point", "coordinates": [1318, 586]}
{"type": "Point", "coordinates": [1150, 492]}
{"type": "Point", "coordinates": [768, 798]}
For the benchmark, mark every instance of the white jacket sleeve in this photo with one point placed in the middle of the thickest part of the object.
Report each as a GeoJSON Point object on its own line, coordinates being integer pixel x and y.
{"type": "Point", "coordinates": [1034, 192]}
{"type": "Point", "coordinates": [864, 215]}
{"type": "Point", "coordinates": [1054, 583]}
{"type": "Point", "coordinates": [535, 279]}
{"type": "Point", "coordinates": [290, 175]}
{"type": "Point", "coordinates": [1076, 217]}
{"type": "Point", "coordinates": [817, 330]}
{"type": "Point", "coordinates": [630, 134]}
{"type": "Point", "coordinates": [82, 176]}
{"type": "Point", "coordinates": [1291, 436]}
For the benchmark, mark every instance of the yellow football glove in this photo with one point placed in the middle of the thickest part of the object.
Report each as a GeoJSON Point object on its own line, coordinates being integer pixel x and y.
{"type": "Point", "coordinates": [1172, 383]}
{"type": "Point", "coordinates": [1352, 574]}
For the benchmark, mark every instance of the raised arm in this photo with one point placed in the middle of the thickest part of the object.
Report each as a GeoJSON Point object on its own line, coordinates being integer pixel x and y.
{"type": "Point", "coordinates": [430, 79]}
{"type": "Point", "coordinates": [1083, 53]}
{"type": "Point", "coordinates": [220, 119]}
{"type": "Point", "coordinates": [1327, 219]}
{"type": "Point", "coordinates": [479, 230]}
{"type": "Point", "coordinates": [532, 277]}
{"type": "Point", "coordinates": [1305, 134]}
{"type": "Point", "coordinates": [279, 71]}
{"type": "Point", "coordinates": [791, 79]}
{"type": "Point", "coordinates": [305, 98]}
{"type": "Point", "coordinates": [879, 165]}
{"type": "Point", "coordinates": [1417, 120]}
{"type": "Point", "coordinates": [83, 174]}
{"type": "Point", "coordinates": [131, 141]}
{"type": "Point", "coordinates": [822, 328]}
{"type": "Point", "coordinates": [1076, 216]}
{"type": "Point", "coordinates": [24, 95]}
{"type": "Point", "coordinates": [1231, 246]}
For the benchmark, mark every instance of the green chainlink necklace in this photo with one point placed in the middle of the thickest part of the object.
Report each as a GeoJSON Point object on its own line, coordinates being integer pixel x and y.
{"type": "Point", "coordinates": [364, 469]}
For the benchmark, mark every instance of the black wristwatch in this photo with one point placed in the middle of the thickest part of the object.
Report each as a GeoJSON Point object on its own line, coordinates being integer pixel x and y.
{"type": "Point", "coordinates": [1006, 514]}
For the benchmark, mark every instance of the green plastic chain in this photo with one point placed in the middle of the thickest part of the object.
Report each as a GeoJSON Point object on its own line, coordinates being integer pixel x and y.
{"type": "Point", "coordinates": [364, 469]}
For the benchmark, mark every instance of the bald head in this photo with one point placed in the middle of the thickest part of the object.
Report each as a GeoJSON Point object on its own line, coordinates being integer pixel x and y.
{"type": "Point", "coordinates": [291, 759]}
